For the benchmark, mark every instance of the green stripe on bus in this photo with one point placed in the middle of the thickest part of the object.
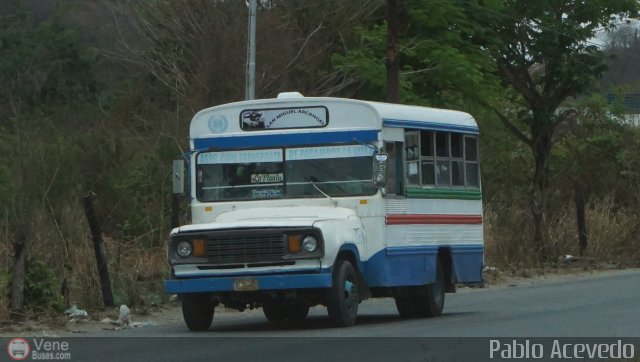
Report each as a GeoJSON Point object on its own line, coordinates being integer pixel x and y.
{"type": "Point", "coordinates": [443, 194]}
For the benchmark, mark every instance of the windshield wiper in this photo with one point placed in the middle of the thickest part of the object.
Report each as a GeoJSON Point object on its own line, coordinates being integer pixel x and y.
{"type": "Point", "coordinates": [313, 180]}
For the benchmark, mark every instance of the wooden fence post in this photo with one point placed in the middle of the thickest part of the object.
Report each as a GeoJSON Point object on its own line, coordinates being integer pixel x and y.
{"type": "Point", "coordinates": [17, 283]}
{"type": "Point", "coordinates": [98, 246]}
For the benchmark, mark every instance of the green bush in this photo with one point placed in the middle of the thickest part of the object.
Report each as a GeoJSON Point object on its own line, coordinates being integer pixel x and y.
{"type": "Point", "coordinates": [41, 288]}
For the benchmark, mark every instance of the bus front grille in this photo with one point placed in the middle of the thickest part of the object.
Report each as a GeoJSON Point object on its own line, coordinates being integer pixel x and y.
{"type": "Point", "coordinates": [246, 248]}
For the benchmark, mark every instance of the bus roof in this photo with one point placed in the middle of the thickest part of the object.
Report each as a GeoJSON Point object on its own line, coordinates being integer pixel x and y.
{"type": "Point", "coordinates": [292, 114]}
{"type": "Point", "coordinates": [406, 116]}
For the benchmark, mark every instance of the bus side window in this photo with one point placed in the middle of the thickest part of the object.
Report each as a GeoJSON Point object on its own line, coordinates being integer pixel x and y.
{"type": "Point", "coordinates": [412, 157]}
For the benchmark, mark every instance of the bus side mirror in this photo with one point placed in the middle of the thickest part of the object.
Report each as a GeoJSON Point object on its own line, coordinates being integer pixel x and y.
{"type": "Point", "coordinates": [380, 169]}
{"type": "Point", "coordinates": [178, 177]}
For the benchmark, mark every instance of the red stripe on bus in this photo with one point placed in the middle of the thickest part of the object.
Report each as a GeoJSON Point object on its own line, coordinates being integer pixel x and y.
{"type": "Point", "coordinates": [404, 219]}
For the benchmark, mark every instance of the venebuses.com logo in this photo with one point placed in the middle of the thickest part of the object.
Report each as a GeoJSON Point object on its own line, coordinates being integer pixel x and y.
{"type": "Point", "coordinates": [44, 349]}
{"type": "Point", "coordinates": [18, 349]}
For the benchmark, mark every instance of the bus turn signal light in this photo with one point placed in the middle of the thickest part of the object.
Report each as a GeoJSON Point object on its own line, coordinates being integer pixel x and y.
{"type": "Point", "coordinates": [294, 243]}
{"type": "Point", "coordinates": [199, 249]}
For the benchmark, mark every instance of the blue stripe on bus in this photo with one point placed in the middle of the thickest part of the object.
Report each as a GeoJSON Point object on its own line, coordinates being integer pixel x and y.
{"type": "Point", "coordinates": [265, 282]}
{"type": "Point", "coordinates": [287, 139]}
{"type": "Point", "coordinates": [399, 123]}
{"type": "Point", "coordinates": [416, 265]}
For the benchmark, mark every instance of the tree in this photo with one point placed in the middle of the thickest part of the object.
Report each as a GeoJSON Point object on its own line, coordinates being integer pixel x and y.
{"type": "Point", "coordinates": [544, 57]}
{"type": "Point", "coordinates": [393, 58]}
{"type": "Point", "coordinates": [44, 69]}
{"type": "Point", "coordinates": [201, 61]}
{"type": "Point", "coordinates": [438, 65]}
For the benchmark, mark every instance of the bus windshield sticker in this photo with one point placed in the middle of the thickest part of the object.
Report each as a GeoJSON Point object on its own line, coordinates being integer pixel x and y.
{"type": "Point", "coordinates": [413, 168]}
{"type": "Point", "coordinates": [270, 193]}
{"type": "Point", "coordinates": [279, 118]}
{"type": "Point", "coordinates": [261, 178]}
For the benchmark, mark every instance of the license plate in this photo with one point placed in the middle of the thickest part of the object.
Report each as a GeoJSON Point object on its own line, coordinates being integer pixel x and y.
{"type": "Point", "coordinates": [244, 284]}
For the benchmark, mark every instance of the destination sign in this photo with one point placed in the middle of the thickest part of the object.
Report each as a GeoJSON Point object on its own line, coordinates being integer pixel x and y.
{"type": "Point", "coordinates": [249, 156]}
{"type": "Point", "coordinates": [310, 153]}
{"type": "Point", "coordinates": [279, 118]}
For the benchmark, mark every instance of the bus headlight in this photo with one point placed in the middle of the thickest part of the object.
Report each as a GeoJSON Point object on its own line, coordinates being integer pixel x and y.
{"type": "Point", "coordinates": [183, 249]}
{"type": "Point", "coordinates": [309, 244]}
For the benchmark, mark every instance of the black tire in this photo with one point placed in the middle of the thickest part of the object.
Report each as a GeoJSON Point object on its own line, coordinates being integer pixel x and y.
{"type": "Point", "coordinates": [197, 310]}
{"type": "Point", "coordinates": [297, 312]}
{"type": "Point", "coordinates": [427, 302]}
{"type": "Point", "coordinates": [433, 300]}
{"type": "Point", "coordinates": [286, 312]}
{"type": "Point", "coordinates": [343, 298]}
{"type": "Point", "coordinates": [406, 306]}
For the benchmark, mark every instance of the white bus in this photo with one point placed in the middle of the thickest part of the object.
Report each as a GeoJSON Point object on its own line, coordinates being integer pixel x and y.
{"type": "Point", "coordinates": [301, 201]}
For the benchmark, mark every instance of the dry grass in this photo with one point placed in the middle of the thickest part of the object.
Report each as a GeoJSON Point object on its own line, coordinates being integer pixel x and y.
{"type": "Point", "coordinates": [4, 275]}
{"type": "Point", "coordinates": [507, 237]}
{"type": "Point", "coordinates": [4, 297]}
{"type": "Point", "coordinates": [64, 243]}
{"type": "Point", "coordinates": [613, 235]}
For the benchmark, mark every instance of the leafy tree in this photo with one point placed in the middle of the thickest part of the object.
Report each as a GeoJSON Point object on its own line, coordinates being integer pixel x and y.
{"type": "Point", "coordinates": [439, 66]}
{"type": "Point", "coordinates": [41, 65]}
{"type": "Point", "coordinates": [44, 71]}
{"type": "Point", "coordinates": [544, 57]}
{"type": "Point", "coordinates": [590, 158]}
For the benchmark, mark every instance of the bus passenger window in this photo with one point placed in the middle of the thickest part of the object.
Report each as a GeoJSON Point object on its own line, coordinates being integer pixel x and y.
{"type": "Point", "coordinates": [443, 173]}
{"type": "Point", "coordinates": [440, 159]}
{"type": "Point", "coordinates": [472, 172]}
{"type": "Point", "coordinates": [428, 173]}
{"type": "Point", "coordinates": [442, 144]}
{"type": "Point", "coordinates": [457, 160]}
{"type": "Point", "coordinates": [457, 173]}
{"type": "Point", "coordinates": [456, 145]}
{"type": "Point", "coordinates": [426, 143]}
{"type": "Point", "coordinates": [412, 158]}
{"type": "Point", "coordinates": [470, 149]}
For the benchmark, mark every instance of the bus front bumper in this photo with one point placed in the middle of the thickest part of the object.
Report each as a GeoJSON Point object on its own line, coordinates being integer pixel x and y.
{"type": "Point", "coordinates": [248, 283]}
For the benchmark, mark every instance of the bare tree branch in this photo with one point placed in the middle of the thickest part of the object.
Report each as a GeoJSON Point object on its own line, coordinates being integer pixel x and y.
{"type": "Point", "coordinates": [511, 127]}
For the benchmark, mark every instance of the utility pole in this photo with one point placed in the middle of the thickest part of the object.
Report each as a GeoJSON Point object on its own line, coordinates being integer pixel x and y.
{"type": "Point", "coordinates": [250, 90]}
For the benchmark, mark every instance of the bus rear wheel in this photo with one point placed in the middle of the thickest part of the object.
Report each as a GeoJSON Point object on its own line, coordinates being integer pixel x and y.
{"type": "Point", "coordinates": [197, 310]}
{"type": "Point", "coordinates": [433, 302]}
{"type": "Point", "coordinates": [428, 302]}
{"type": "Point", "coordinates": [406, 306]}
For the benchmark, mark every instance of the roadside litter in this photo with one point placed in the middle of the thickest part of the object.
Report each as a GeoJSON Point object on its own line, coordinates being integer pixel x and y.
{"type": "Point", "coordinates": [123, 321]}
{"type": "Point", "coordinates": [74, 312]}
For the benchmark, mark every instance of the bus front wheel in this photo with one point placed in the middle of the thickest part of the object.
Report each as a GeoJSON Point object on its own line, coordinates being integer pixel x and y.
{"type": "Point", "coordinates": [343, 298]}
{"type": "Point", "coordinates": [197, 310]}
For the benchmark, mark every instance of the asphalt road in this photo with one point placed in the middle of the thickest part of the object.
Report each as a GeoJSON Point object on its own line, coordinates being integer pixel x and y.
{"type": "Point", "coordinates": [599, 305]}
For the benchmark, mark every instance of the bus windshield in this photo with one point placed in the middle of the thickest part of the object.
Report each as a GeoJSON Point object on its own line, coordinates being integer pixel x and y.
{"type": "Point", "coordinates": [285, 173]}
